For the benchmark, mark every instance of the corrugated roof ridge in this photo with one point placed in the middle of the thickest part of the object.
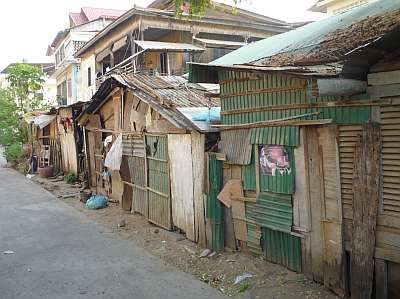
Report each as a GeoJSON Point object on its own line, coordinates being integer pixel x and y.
{"type": "Point", "coordinates": [307, 36]}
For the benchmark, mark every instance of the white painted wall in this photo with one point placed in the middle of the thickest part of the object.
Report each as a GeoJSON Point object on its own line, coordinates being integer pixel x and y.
{"type": "Point", "coordinates": [86, 92]}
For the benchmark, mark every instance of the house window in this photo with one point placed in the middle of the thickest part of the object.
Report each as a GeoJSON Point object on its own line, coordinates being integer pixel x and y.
{"type": "Point", "coordinates": [69, 88]}
{"type": "Point", "coordinates": [89, 76]}
{"type": "Point", "coordinates": [163, 63]}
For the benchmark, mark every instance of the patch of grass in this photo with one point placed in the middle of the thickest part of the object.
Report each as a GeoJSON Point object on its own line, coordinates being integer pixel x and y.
{"type": "Point", "coordinates": [244, 287]}
{"type": "Point", "coordinates": [70, 178]}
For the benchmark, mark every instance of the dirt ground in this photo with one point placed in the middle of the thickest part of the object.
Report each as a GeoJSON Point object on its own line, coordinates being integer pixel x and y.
{"type": "Point", "coordinates": [220, 270]}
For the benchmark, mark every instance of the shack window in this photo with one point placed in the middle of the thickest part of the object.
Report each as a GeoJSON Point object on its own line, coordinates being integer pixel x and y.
{"type": "Point", "coordinates": [89, 76]}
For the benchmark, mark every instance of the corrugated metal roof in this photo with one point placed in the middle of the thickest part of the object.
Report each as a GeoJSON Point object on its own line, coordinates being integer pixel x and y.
{"type": "Point", "coordinates": [272, 210]}
{"type": "Point", "coordinates": [158, 46]}
{"type": "Point", "coordinates": [326, 39]}
{"type": "Point", "coordinates": [165, 94]}
{"type": "Point", "coordinates": [235, 144]}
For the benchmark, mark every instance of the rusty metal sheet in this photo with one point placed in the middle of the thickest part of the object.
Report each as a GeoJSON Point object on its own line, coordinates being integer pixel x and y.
{"type": "Point", "coordinates": [235, 144]}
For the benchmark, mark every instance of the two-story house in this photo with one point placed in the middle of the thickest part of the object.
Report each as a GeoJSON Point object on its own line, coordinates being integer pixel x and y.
{"type": "Point", "coordinates": [83, 26]}
{"type": "Point", "coordinates": [157, 41]}
{"type": "Point", "coordinates": [337, 6]}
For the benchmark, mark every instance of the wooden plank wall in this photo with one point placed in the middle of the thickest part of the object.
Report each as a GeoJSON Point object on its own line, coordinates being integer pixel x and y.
{"type": "Point", "coordinates": [181, 174]}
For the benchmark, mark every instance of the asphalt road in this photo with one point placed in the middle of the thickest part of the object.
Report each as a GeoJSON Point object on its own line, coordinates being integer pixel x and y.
{"type": "Point", "coordinates": [59, 253]}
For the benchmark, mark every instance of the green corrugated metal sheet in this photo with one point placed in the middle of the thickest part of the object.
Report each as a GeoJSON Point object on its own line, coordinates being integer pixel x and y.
{"type": "Point", "coordinates": [288, 135]}
{"type": "Point", "coordinates": [280, 183]}
{"type": "Point", "coordinates": [272, 210]}
{"type": "Point", "coordinates": [254, 238]}
{"type": "Point", "coordinates": [249, 171]}
{"type": "Point", "coordinates": [229, 104]}
{"type": "Point", "coordinates": [282, 248]}
{"type": "Point", "coordinates": [215, 209]}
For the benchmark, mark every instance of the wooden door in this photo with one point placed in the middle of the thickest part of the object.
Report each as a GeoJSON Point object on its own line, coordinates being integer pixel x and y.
{"type": "Point", "coordinates": [158, 181]}
{"type": "Point", "coordinates": [326, 208]}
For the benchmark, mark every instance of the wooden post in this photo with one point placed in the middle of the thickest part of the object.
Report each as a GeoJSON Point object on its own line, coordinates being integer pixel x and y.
{"type": "Point", "coordinates": [365, 209]}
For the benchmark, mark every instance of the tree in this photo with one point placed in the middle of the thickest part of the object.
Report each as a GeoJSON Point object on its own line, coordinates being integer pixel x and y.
{"type": "Point", "coordinates": [10, 119]}
{"type": "Point", "coordinates": [26, 86]}
{"type": "Point", "coordinates": [195, 7]}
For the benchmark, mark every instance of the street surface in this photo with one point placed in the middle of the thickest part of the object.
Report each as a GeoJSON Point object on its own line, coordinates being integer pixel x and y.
{"type": "Point", "coordinates": [50, 250]}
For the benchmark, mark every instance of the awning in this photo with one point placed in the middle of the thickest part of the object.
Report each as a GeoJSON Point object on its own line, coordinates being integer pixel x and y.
{"type": "Point", "coordinates": [219, 43]}
{"type": "Point", "coordinates": [163, 46]}
{"type": "Point", "coordinates": [43, 120]}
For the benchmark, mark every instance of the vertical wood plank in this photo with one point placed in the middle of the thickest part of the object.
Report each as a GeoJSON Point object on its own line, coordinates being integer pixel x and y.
{"type": "Point", "coordinates": [316, 198]}
{"type": "Point", "coordinates": [198, 159]}
{"type": "Point", "coordinates": [332, 210]}
{"type": "Point", "coordinates": [181, 172]}
{"type": "Point", "coordinates": [365, 209]}
{"type": "Point", "coordinates": [381, 279]}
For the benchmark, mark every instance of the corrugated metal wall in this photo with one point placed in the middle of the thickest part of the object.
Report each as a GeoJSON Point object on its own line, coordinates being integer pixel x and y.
{"type": "Point", "coordinates": [273, 210]}
{"type": "Point", "coordinates": [288, 135]}
{"type": "Point", "coordinates": [282, 248]}
{"type": "Point", "coordinates": [241, 91]}
{"type": "Point", "coordinates": [248, 97]}
{"type": "Point", "coordinates": [235, 144]}
{"type": "Point", "coordinates": [249, 173]}
{"type": "Point", "coordinates": [215, 209]}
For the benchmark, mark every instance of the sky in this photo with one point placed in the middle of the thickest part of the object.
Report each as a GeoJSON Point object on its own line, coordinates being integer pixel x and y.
{"type": "Point", "coordinates": [28, 26]}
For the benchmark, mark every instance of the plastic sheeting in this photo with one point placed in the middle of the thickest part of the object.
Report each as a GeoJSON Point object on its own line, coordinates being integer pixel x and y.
{"type": "Point", "coordinates": [114, 156]}
{"type": "Point", "coordinates": [44, 120]}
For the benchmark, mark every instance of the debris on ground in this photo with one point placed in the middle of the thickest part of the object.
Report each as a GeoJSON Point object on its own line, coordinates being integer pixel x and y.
{"type": "Point", "coordinates": [122, 223]}
{"type": "Point", "coordinates": [268, 280]}
{"type": "Point", "coordinates": [96, 202]}
{"type": "Point", "coordinates": [241, 278]}
{"type": "Point", "coordinates": [205, 253]}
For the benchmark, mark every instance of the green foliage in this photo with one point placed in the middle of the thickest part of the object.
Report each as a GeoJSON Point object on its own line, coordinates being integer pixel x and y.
{"type": "Point", "coordinates": [244, 287]}
{"type": "Point", "coordinates": [70, 178]}
{"type": "Point", "coordinates": [10, 119]}
{"type": "Point", "coordinates": [197, 8]}
{"type": "Point", "coordinates": [26, 86]}
{"type": "Point", "coordinates": [13, 152]}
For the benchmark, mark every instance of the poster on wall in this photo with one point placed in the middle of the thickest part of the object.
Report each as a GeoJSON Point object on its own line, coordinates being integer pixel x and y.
{"type": "Point", "coordinates": [273, 159]}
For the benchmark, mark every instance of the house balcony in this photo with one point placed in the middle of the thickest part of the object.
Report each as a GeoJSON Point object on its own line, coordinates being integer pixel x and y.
{"type": "Point", "coordinates": [152, 57]}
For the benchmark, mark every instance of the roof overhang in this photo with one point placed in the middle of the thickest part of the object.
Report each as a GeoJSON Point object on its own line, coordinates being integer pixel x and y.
{"type": "Point", "coordinates": [210, 43]}
{"type": "Point", "coordinates": [208, 73]}
{"type": "Point", "coordinates": [169, 47]}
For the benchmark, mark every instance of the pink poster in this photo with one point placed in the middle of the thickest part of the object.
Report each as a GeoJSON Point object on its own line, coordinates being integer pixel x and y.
{"type": "Point", "coordinates": [274, 158]}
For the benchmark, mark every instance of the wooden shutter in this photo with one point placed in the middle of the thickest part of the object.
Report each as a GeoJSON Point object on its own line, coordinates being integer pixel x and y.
{"type": "Point", "coordinates": [390, 126]}
{"type": "Point", "coordinates": [347, 141]}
